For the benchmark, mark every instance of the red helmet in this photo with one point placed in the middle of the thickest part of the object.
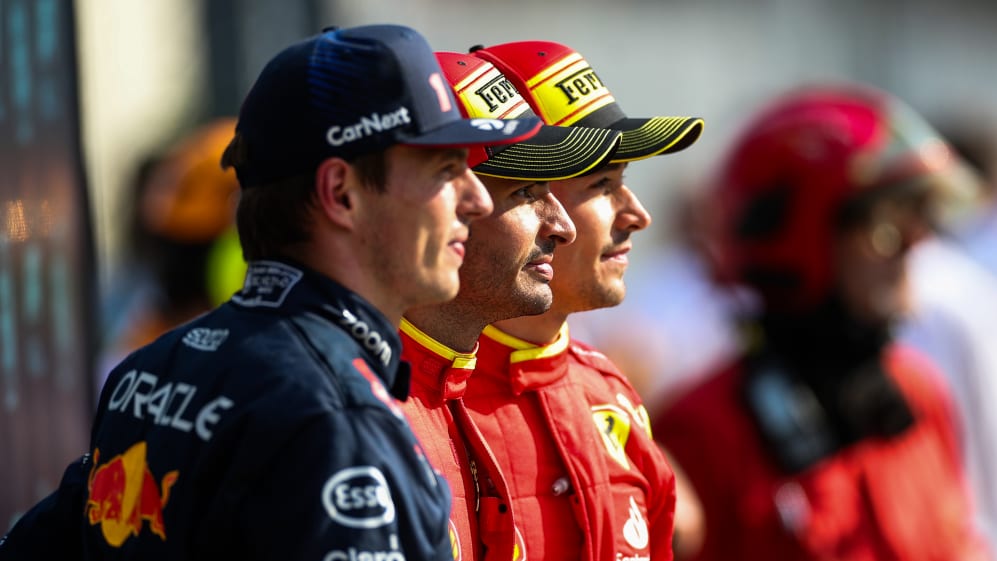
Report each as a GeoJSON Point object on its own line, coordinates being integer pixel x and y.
{"type": "Point", "coordinates": [788, 176]}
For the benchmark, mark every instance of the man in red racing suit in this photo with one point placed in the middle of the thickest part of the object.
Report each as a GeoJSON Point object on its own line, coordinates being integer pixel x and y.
{"type": "Point", "coordinates": [570, 433]}
{"type": "Point", "coordinates": [505, 274]}
{"type": "Point", "coordinates": [587, 479]}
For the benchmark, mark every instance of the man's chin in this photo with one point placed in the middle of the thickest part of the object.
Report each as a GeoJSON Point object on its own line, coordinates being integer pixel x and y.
{"type": "Point", "coordinates": [535, 301]}
{"type": "Point", "coordinates": [443, 292]}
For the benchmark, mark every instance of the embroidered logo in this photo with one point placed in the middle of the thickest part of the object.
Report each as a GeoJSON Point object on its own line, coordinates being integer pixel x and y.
{"type": "Point", "coordinates": [613, 425]}
{"type": "Point", "coordinates": [366, 336]}
{"type": "Point", "coordinates": [358, 497]}
{"type": "Point", "coordinates": [123, 493]}
{"type": "Point", "coordinates": [267, 284]}
{"type": "Point", "coordinates": [635, 528]}
{"type": "Point", "coordinates": [205, 339]}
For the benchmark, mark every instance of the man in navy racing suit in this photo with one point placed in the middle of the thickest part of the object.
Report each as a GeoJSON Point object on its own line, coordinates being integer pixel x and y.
{"type": "Point", "coordinates": [269, 428]}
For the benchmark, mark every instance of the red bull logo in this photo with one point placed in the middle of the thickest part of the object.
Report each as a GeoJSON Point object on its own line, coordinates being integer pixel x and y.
{"type": "Point", "coordinates": [123, 493]}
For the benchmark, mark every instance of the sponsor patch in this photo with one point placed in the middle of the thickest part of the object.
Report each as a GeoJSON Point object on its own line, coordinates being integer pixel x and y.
{"type": "Point", "coordinates": [140, 394]}
{"type": "Point", "coordinates": [357, 554]}
{"type": "Point", "coordinates": [358, 497]}
{"type": "Point", "coordinates": [492, 94]}
{"type": "Point", "coordinates": [205, 339]}
{"type": "Point", "coordinates": [635, 528]}
{"type": "Point", "coordinates": [569, 90]}
{"type": "Point", "coordinates": [122, 494]}
{"type": "Point", "coordinates": [367, 125]}
{"type": "Point", "coordinates": [613, 425]}
{"type": "Point", "coordinates": [267, 284]}
{"type": "Point", "coordinates": [366, 336]}
{"type": "Point", "coordinates": [506, 126]}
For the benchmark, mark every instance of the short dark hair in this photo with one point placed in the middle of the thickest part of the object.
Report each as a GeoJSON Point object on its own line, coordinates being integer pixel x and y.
{"type": "Point", "coordinates": [272, 217]}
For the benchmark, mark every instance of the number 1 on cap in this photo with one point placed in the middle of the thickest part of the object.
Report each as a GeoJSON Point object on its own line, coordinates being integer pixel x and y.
{"type": "Point", "coordinates": [437, 82]}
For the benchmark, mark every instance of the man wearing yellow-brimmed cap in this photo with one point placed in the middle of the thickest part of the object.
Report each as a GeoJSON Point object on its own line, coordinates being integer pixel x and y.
{"type": "Point", "coordinates": [564, 90]}
{"type": "Point", "coordinates": [506, 273]}
{"type": "Point", "coordinates": [587, 479]}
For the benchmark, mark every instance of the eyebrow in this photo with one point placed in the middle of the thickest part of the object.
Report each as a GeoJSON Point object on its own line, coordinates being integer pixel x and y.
{"type": "Point", "coordinates": [453, 153]}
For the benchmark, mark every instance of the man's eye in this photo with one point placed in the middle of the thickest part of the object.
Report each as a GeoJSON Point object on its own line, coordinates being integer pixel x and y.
{"type": "Point", "coordinates": [527, 193]}
{"type": "Point", "coordinates": [604, 184]}
{"type": "Point", "coordinates": [450, 172]}
{"type": "Point", "coordinates": [536, 191]}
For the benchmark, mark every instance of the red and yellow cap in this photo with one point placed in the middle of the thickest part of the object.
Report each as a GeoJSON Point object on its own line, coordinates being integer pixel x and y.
{"type": "Point", "coordinates": [563, 89]}
{"type": "Point", "coordinates": [485, 94]}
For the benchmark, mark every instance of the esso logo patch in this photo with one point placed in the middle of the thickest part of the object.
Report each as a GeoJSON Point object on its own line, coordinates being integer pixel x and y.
{"type": "Point", "coordinates": [358, 497]}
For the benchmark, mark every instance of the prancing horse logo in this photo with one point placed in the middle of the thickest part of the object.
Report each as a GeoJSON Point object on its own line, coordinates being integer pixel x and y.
{"type": "Point", "coordinates": [613, 425]}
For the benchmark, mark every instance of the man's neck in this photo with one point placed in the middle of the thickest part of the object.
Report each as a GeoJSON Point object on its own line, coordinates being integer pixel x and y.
{"type": "Point", "coordinates": [541, 329]}
{"type": "Point", "coordinates": [448, 324]}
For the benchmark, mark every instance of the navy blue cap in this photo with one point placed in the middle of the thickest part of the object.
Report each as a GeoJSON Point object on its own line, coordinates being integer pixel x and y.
{"type": "Point", "coordinates": [354, 91]}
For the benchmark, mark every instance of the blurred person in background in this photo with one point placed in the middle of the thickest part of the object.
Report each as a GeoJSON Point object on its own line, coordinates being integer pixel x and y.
{"type": "Point", "coordinates": [827, 439]}
{"type": "Point", "coordinates": [974, 135]}
{"type": "Point", "coordinates": [572, 435]}
{"type": "Point", "coordinates": [954, 316]}
{"type": "Point", "coordinates": [181, 207]}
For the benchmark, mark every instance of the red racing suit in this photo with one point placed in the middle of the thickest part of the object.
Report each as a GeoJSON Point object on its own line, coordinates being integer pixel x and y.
{"type": "Point", "coordinates": [481, 523]}
{"type": "Point", "coordinates": [573, 440]}
{"type": "Point", "coordinates": [898, 498]}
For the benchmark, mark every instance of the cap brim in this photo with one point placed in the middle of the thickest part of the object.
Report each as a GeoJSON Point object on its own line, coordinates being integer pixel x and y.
{"type": "Point", "coordinates": [554, 153]}
{"type": "Point", "coordinates": [643, 138]}
{"type": "Point", "coordinates": [476, 132]}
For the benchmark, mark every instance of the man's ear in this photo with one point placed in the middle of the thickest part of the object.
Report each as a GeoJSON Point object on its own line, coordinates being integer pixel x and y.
{"type": "Point", "coordinates": [335, 190]}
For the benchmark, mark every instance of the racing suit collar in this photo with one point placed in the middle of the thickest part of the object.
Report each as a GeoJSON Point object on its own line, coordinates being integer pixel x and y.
{"type": "Point", "coordinates": [440, 371]}
{"type": "Point", "coordinates": [531, 366]}
{"type": "Point", "coordinates": [292, 289]}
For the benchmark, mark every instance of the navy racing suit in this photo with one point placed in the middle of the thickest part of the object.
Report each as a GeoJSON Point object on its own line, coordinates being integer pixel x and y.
{"type": "Point", "coordinates": [268, 428]}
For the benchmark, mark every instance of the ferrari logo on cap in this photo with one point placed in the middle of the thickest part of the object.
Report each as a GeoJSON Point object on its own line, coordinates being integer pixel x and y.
{"type": "Point", "coordinates": [613, 425]}
{"type": "Point", "coordinates": [580, 84]}
{"type": "Point", "coordinates": [569, 90]}
{"type": "Point", "coordinates": [486, 93]}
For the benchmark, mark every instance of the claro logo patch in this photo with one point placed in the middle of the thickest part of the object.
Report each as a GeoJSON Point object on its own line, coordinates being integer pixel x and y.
{"type": "Point", "coordinates": [358, 497]}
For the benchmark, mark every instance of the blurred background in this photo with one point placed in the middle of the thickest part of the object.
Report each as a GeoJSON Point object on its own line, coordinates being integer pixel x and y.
{"type": "Point", "coordinates": [95, 94]}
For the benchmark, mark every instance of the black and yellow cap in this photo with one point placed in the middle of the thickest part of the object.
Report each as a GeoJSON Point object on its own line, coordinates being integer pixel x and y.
{"type": "Point", "coordinates": [563, 89]}
{"type": "Point", "coordinates": [554, 153]}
